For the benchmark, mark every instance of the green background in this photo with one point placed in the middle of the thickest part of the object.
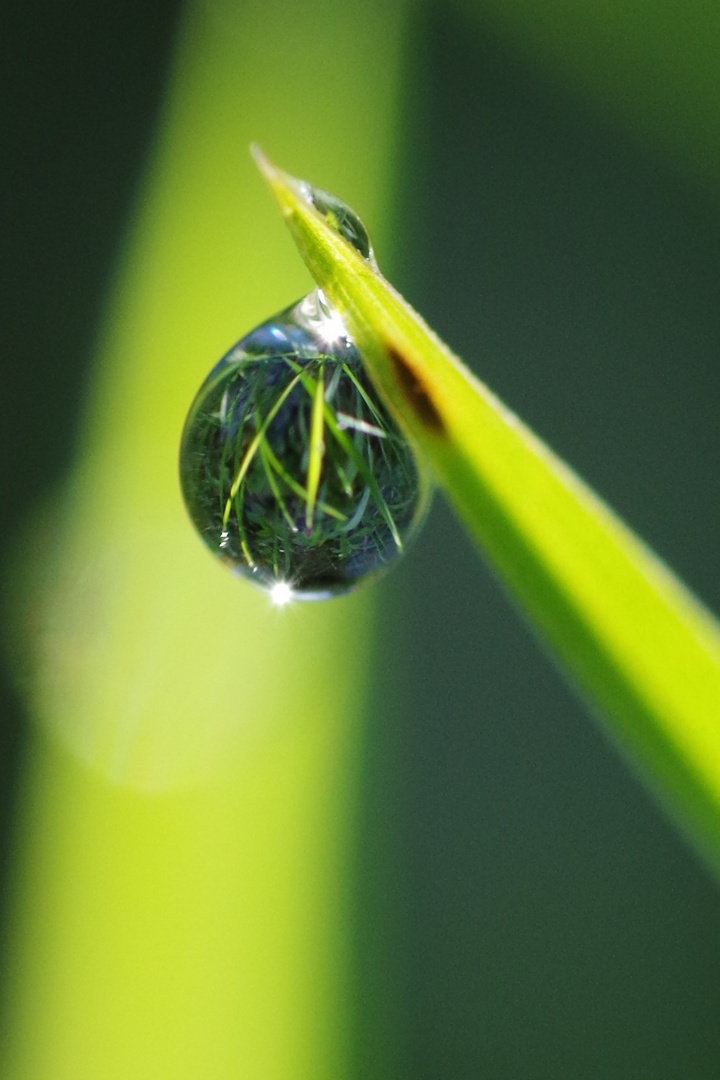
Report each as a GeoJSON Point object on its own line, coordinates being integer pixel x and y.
{"type": "Point", "coordinates": [521, 907]}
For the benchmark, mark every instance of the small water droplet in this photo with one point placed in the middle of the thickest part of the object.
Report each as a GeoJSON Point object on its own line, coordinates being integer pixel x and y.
{"type": "Point", "coordinates": [342, 218]}
{"type": "Point", "coordinates": [292, 470]}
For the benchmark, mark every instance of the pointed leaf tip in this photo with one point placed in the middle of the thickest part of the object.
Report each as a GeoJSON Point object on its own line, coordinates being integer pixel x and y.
{"type": "Point", "coordinates": [263, 163]}
{"type": "Point", "coordinates": [286, 188]}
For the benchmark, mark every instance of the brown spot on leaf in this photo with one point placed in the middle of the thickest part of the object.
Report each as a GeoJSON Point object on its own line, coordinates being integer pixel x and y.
{"type": "Point", "coordinates": [416, 394]}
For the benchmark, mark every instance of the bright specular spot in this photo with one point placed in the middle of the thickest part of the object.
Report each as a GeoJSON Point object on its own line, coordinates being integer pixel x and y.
{"type": "Point", "coordinates": [333, 328]}
{"type": "Point", "coordinates": [281, 594]}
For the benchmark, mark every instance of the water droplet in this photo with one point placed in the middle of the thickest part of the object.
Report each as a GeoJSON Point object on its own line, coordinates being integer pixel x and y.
{"type": "Point", "coordinates": [342, 218]}
{"type": "Point", "coordinates": [292, 470]}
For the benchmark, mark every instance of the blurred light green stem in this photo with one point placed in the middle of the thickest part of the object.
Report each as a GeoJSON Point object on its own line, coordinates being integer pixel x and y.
{"type": "Point", "coordinates": [180, 896]}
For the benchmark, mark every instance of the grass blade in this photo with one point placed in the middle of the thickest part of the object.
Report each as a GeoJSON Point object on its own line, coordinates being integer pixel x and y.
{"type": "Point", "coordinates": [628, 633]}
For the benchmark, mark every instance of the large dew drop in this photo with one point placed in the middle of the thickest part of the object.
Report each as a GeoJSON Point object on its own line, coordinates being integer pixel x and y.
{"type": "Point", "coordinates": [292, 470]}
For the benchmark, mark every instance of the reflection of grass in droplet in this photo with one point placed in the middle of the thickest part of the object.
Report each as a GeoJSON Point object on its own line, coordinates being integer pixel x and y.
{"type": "Point", "coordinates": [297, 488]}
{"type": "Point", "coordinates": [365, 468]}
{"type": "Point", "coordinates": [253, 448]}
{"type": "Point", "coordinates": [295, 470]}
{"type": "Point", "coordinates": [274, 486]}
{"type": "Point", "coordinates": [317, 446]}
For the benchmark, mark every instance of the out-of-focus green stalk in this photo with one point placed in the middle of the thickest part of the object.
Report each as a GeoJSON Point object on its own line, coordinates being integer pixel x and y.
{"type": "Point", "coordinates": [179, 901]}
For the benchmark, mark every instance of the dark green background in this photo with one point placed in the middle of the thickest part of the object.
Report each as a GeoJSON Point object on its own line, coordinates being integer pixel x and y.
{"type": "Point", "coordinates": [524, 909]}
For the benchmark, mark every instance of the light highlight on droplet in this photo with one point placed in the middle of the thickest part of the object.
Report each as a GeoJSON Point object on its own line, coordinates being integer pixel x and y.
{"type": "Point", "coordinates": [281, 594]}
